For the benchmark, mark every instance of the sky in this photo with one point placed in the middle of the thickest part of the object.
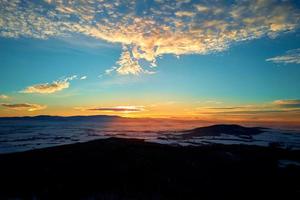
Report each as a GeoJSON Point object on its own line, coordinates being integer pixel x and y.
{"type": "Point", "coordinates": [209, 60]}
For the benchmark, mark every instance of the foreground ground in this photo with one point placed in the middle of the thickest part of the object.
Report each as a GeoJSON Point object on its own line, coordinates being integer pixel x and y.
{"type": "Point", "coordinates": [133, 169]}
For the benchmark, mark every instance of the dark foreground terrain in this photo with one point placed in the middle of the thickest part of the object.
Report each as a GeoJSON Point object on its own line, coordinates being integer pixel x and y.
{"type": "Point", "coordinates": [133, 169]}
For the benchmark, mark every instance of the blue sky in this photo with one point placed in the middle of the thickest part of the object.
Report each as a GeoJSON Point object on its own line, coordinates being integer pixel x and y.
{"type": "Point", "coordinates": [163, 57]}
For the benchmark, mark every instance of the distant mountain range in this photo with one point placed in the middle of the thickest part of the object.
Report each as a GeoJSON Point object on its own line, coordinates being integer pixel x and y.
{"type": "Point", "coordinates": [64, 118]}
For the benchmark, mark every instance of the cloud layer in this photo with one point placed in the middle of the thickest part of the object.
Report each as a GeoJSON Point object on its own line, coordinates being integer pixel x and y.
{"type": "Point", "coordinates": [148, 32]}
{"type": "Point", "coordinates": [24, 106]}
{"type": "Point", "coordinates": [291, 56]}
{"type": "Point", "coordinates": [48, 88]}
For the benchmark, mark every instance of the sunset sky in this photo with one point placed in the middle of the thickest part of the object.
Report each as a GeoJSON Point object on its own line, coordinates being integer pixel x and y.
{"type": "Point", "coordinates": [211, 60]}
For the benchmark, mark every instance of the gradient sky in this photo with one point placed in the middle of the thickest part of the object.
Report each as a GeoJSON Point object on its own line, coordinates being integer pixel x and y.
{"type": "Point", "coordinates": [215, 60]}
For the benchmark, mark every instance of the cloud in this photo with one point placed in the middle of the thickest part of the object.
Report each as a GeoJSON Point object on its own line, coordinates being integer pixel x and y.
{"type": "Point", "coordinates": [128, 65]}
{"type": "Point", "coordinates": [110, 70]}
{"type": "Point", "coordinates": [183, 1]}
{"type": "Point", "coordinates": [24, 106]}
{"type": "Point", "coordinates": [149, 72]}
{"type": "Point", "coordinates": [294, 103]}
{"type": "Point", "coordinates": [201, 8]}
{"type": "Point", "coordinates": [2, 96]}
{"type": "Point", "coordinates": [210, 101]}
{"type": "Point", "coordinates": [124, 109]}
{"type": "Point", "coordinates": [165, 27]}
{"type": "Point", "coordinates": [228, 108]}
{"type": "Point", "coordinates": [185, 14]}
{"type": "Point", "coordinates": [291, 56]}
{"type": "Point", "coordinates": [83, 77]}
{"type": "Point", "coordinates": [278, 106]}
{"type": "Point", "coordinates": [48, 88]}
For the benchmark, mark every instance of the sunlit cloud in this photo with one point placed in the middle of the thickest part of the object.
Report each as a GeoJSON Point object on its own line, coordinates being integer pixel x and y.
{"type": "Point", "coordinates": [122, 109]}
{"type": "Point", "coordinates": [128, 65]}
{"type": "Point", "coordinates": [3, 96]}
{"type": "Point", "coordinates": [119, 109]}
{"type": "Point", "coordinates": [24, 106]}
{"type": "Point", "coordinates": [164, 104]}
{"type": "Point", "coordinates": [291, 56]}
{"type": "Point", "coordinates": [185, 14]}
{"type": "Point", "coordinates": [295, 103]}
{"type": "Point", "coordinates": [48, 88]}
{"type": "Point", "coordinates": [167, 27]}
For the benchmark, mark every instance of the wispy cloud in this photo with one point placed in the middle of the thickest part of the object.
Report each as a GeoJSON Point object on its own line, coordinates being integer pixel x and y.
{"type": "Point", "coordinates": [3, 96]}
{"type": "Point", "coordinates": [48, 88]}
{"type": "Point", "coordinates": [279, 106]}
{"type": "Point", "coordinates": [123, 109]}
{"type": "Point", "coordinates": [210, 101]}
{"type": "Point", "coordinates": [167, 27]}
{"type": "Point", "coordinates": [24, 106]}
{"type": "Point", "coordinates": [291, 56]}
{"type": "Point", "coordinates": [83, 77]}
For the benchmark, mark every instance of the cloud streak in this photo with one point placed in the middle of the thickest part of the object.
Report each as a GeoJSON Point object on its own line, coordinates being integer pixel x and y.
{"type": "Point", "coordinates": [166, 27]}
{"type": "Point", "coordinates": [122, 109]}
{"type": "Point", "coordinates": [278, 106]}
{"type": "Point", "coordinates": [3, 96]}
{"type": "Point", "coordinates": [294, 103]}
{"type": "Point", "coordinates": [125, 109]}
{"type": "Point", "coordinates": [83, 77]}
{"type": "Point", "coordinates": [24, 106]}
{"type": "Point", "coordinates": [49, 88]}
{"type": "Point", "coordinates": [291, 56]}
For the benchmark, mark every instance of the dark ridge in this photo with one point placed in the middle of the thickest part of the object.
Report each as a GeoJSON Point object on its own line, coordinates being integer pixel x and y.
{"type": "Point", "coordinates": [65, 118]}
{"type": "Point", "coordinates": [217, 130]}
{"type": "Point", "coordinates": [132, 169]}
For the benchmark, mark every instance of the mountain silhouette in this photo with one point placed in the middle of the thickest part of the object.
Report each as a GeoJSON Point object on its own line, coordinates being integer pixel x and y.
{"type": "Point", "coordinates": [217, 130]}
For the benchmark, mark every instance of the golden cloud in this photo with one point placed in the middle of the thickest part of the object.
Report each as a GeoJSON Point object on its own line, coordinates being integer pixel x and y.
{"type": "Point", "coordinates": [122, 109]}
{"type": "Point", "coordinates": [48, 88]}
{"type": "Point", "coordinates": [24, 106]}
{"type": "Point", "coordinates": [167, 27]}
{"type": "Point", "coordinates": [292, 103]}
